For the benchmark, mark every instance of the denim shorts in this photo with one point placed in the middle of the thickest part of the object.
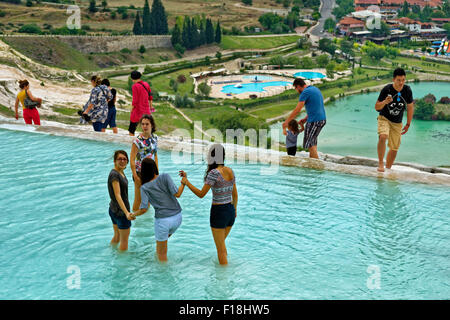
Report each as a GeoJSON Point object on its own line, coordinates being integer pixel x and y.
{"type": "Point", "coordinates": [222, 216]}
{"type": "Point", "coordinates": [121, 221]}
{"type": "Point", "coordinates": [98, 126]}
{"type": "Point", "coordinates": [166, 226]}
{"type": "Point", "coordinates": [111, 120]}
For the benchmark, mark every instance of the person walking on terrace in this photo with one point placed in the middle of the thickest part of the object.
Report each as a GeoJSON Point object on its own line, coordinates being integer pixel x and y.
{"type": "Point", "coordinates": [29, 104]}
{"type": "Point", "coordinates": [392, 102]}
{"type": "Point", "coordinates": [311, 98]}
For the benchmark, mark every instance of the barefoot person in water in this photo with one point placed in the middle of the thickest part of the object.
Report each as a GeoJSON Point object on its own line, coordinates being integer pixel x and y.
{"type": "Point", "coordinates": [144, 146]}
{"type": "Point", "coordinates": [391, 104]}
{"type": "Point", "coordinates": [222, 181]}
{"type": "Point", "coordinates": [119, 207]}
{"type": "Point", "coordinates": [160, 191]}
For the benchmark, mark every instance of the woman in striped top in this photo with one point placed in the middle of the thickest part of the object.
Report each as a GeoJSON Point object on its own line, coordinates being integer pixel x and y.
{"type": "Point", "coordinates": [222, 181]}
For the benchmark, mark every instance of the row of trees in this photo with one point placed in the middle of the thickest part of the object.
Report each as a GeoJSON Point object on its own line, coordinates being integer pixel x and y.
{"type": "Point", "coordinates": [154, 21]}
{"type": "Point", "coordinates": [425, 108]}
{"type": "Point", "coordinates": [277, 24]}
{"type": "Point", "coordinates": [424, 15]}
{"type": "Point", "coordinates": [190, 33]}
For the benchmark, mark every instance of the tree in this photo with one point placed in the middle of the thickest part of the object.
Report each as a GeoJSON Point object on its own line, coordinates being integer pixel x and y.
{"type": "Point", "coordinates": [347, 47]}
{"type": "Point", "coordinates": [159, 18]}
{"type": "Point", "coordinates": [137, 28]}
{"type": "Point", "coordinates": [204, 89]}
{"type": "Point", "coordinates": [329, 24]}
{"type": "Point", "coordinates": [176, 35]}
{"type": "Point", "coordinates": [330, 70]}
{"type": "Point", "coordinates": [404, 10]}
{"type": "Point", "coordinates": [219, 55]}
{"type": "Point", "coordinates": [146, 19]}
{"type": "Point", "coordinates": [327, 45]}
{"type": "Point", "coordinates": [209, 31]}
{"type": "Point", "coordinates": [142, 49]}
{"type": "Point", "coordinates": [247, 2]}
{"type": "Point", "coordinates": [322, 60]}
{"type": "Point", "coordinates": [218, 38]}
{"type": "Point", "coordinates": [423, 110]}
{"type": "Point", "coordinates": [104, 4]}
{"type": "Point", "coordinates": [92, 6]}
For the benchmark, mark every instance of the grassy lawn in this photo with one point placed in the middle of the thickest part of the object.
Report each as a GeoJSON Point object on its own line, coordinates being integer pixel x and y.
{"type": "Point", "coordinates": [425, 65]}
{"type": "Point", "coordinates": [205, 113]}
{"type": "Point", "coordinates": [235, 42]}
{"type": "Point", "coordinates": [166, 119]}
{"type": "Point", "coordinates": [161, 83]}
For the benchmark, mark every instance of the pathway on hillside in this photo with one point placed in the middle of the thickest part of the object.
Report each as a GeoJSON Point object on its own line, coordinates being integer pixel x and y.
{"type": "Point", "coordinates": [281, 12]}
{"type": "Point", "coordinates": [188, 119]}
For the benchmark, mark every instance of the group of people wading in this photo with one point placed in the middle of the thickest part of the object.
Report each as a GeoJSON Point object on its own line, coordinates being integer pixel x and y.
{"type": "Point", "coordinates": [158, 189]}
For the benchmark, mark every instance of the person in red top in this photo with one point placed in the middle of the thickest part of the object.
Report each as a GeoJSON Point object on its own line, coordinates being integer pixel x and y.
{"type": "Point", "coordinates": [142, 101]}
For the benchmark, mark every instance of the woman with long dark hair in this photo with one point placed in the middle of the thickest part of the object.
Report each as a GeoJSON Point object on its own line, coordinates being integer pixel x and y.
{"type": "Point", "coordinates": [144, 146]}
{"type": "Point", "coordinates": [222, 181]}
{"type": "Point", "coordinates": [119, 207]}
{"type": "Point", "coordinates": [160, 191]}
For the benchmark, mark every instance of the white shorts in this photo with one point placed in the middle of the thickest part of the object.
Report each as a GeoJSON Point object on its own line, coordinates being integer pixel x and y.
{"type": "Point", "coordinates": [166, 226]}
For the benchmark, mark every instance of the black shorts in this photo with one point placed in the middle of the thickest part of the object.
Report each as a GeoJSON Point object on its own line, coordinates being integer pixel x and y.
{"type": "Point", "coordinates": [222, 216]}
{"type": "Point", "coordinates": [132, 127]}
{"type": "Point", "coordinates": [312, 130]}
{"type": "Point", "coordinates": [291, 151]}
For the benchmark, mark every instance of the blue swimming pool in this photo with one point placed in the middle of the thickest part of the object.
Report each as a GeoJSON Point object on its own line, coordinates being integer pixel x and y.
{"type": "Point", "coordinates": [258, 77]}
{"type": "Point", "coordinates": [310, 75]}
{"type": "Point", "coordinates": [253, 87]}
{"type": "Point", "coordinates": [301, 234]}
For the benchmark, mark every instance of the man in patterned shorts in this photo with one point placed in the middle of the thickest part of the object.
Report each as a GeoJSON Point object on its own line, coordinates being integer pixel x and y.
{"type": "Point", "coordinates": [311, 98]}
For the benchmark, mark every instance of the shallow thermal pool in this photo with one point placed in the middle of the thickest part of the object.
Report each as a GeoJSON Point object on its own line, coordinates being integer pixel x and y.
{"type": "Point", "coordinates": [300, 234]}
{"type": "Point", "coordinates": [253, 87]}
{"type": "Point", "coordinates": [309, 75]}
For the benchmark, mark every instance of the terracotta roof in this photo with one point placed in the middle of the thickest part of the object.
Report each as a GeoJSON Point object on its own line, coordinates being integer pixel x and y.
{"type": "Point", "coordinates": [441, 19]}
{"type": "Point", "coordinates": [406, 20]}
{"type": "Point", "coordinates": [357, 2]}
{"type": "Point", "coordinates": [349, 20]}
{"type": "Point", "coordinates": [359, 8]}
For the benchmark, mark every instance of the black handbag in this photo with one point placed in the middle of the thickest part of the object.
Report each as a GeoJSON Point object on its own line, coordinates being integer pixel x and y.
{"type": "Point", "coordinates": [28, 103]}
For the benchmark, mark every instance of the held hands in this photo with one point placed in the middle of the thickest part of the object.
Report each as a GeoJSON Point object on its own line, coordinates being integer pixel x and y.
{"type": "Point", "coordinates": [130, 216]}
{"type": "Point", "coordinates": [183, 176]}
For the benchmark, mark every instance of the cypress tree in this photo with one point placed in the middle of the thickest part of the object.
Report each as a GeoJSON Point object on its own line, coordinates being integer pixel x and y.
{"type": "Point", "coordinates": [146, 19]}
{"type": "Point", "coordinates": [160, 18]}
{"type": "Point", "coordinates": [218, 38]}
{"type": "Point", "coordinates": [137, 28]}
{"type": "Point", "coordinates": [176, 35]}
{"type": "Point", "coordinates": [209, 32]}
{"type": "Point", "coordinates": [194, 34]}
{"type": "Point", "coordinates": [185, 35]}
{"type": "Point", "coordinates": [202, 38]}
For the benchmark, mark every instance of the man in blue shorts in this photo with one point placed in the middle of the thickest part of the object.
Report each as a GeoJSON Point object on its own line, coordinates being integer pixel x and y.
{"type": "Point", "coordinates": [311, 98]}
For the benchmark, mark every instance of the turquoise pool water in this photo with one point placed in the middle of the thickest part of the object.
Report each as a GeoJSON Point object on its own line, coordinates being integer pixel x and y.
{"type": "Point", "coordinates": [310, 75]}
{"type": "Point", "coordinates": [351, 129]}
{"type": "Point", "coordinates": [302, 234]}
{"type": "Point", "coordinates": [253, 87]}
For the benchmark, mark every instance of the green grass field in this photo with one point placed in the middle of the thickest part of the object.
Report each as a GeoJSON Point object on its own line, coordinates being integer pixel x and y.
{"type": "Point", "coordinates": [235, 42]}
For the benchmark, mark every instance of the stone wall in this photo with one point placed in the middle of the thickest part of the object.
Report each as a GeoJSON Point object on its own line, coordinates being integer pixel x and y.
{"type": "Point", "coordinates": [100, 44]}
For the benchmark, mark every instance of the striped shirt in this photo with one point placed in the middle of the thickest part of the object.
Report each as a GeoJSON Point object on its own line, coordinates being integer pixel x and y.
{"type": "Point", "coordinates": [221, 188]}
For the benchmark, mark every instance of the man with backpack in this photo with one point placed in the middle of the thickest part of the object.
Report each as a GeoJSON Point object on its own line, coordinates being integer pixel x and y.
{"type": "Point", "coordinates": [142, 101]}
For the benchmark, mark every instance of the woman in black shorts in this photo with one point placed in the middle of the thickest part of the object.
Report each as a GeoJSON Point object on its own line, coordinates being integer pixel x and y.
{"type": "Point", "coordinates": [222, 181]}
